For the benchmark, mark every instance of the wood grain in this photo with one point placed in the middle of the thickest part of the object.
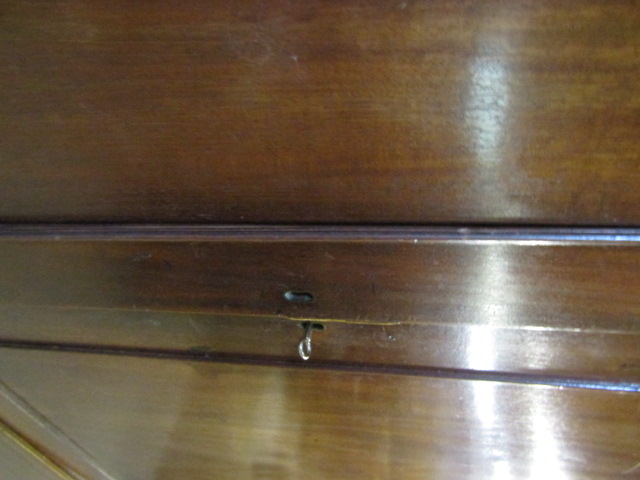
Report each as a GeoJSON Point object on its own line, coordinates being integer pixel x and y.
{"type": "Point", "coordinates": [20, 461]}
{"type": "Point", "coordinates": [38, 435]}
{"type": "Point", "coordinates": [163, 419]}
{"type": "Point", "coordinates": [576, 287]}
{"type": "Point", "coordinates": [530, 355]}
{"type": "Point", "coordinates": [330, 112]}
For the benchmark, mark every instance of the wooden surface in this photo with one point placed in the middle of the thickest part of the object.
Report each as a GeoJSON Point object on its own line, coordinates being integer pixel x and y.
{"type": "Point", "coordinates": [163, 419]}
{"type": "Point", "coordinates": [414, 113]}
{"type": "Point", "coordinates": [546, 355]}
{"type": "Point", "coordinates": [309, 111]}
{"type": "Point", "coordinates": [20, 461]}
{"type": "Point", "coordinates": [45, 440]}
{"type": "Point", "coordinates": [555, 285]}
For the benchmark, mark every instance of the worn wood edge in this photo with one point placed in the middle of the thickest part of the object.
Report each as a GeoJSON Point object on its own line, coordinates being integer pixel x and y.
{"type": "Point", "coordinates": [342, 233]}
{"type": "Point", "coordinates": [561, 381]}
{"type": "Point", "coordinates": [45, 438]}
{"type": "Point", "coordinates": [35, 453]}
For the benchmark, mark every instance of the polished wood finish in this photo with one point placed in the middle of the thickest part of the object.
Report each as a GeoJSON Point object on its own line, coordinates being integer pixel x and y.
{"type": "Point", "coordinates": [553, 355]}
{"type": "Point", "coordinates": [44, 439]}
{"type": "Point", "coordinates": [579, 287]}
{"type": "Point", "coordinates": [20, 461]}
{"type": "Point", "coordinates": [451, 184]}
{"type": "Point", "coordinates": [378, 112]}
{"type": "Point", "coordinates": [164, 419]}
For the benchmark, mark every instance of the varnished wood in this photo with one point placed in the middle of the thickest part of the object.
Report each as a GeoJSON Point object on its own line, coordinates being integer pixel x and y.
{"type": "Point", "coordinates": [584, 288]}
{"type": "Point", "coordinates": [402, 113]}
{"type": "Point", "coordinates": [603, 236]}
{"type": "Point", "coordinates": [513, 353]}
{"type": "Point", "coordinates": [163, 419]}
{"type": "Point", "coordinates": [42, 437]}
{"type": "Point", "coordinates": [310, 111]}
{"type": "Point", "coordinates": [20, 461]}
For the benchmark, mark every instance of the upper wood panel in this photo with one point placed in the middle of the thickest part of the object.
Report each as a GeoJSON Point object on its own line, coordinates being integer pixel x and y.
{"type": "Point", "coordinates": [165, 420]}
{"type": "Point", "coordinates": [309, 111]}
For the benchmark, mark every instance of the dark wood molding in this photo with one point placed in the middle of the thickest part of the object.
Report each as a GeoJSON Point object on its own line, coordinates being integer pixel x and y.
{"type": "Point", "coordinates": [302, 233]}
{"type": "Point", "coordinates": [243, 359]}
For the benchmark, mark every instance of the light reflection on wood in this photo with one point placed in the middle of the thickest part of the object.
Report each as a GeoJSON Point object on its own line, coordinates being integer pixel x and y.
{"type": "Point", "coordinates": [290, 423]}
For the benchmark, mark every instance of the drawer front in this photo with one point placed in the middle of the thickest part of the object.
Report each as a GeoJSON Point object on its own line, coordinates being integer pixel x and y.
{"type": "Point", "coordinates": [530, 305]}
{"type": "Point", "coordinates": [374, 112]}
{"type": "Point", "coordinates": [559, 284]}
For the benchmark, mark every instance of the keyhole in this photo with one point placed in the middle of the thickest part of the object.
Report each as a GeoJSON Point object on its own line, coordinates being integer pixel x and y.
{"type": "Point", "coordinates": [314, 326]}
{"type": "Point", "coordinates": [298, 297]}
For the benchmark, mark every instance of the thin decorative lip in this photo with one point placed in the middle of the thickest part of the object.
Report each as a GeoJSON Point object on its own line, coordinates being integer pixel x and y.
{"type": "Point", "coordinates": [560, 381]}
{"type": "Point", "coordinates": [346, 233]}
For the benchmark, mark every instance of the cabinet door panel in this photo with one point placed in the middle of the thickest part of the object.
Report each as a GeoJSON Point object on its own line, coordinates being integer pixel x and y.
{"type": "Point", "coordinates": [165, 419]}
{"type": "Point", "coordinates": [310, 111]}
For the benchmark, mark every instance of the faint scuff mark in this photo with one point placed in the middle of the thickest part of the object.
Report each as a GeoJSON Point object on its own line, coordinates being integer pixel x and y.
{"type": "Point", "coordinates": [195, 326]}
{"type": "Point", "coordinates": [141, 257]}
{"type": "Point", "coordinates": [256, 49]}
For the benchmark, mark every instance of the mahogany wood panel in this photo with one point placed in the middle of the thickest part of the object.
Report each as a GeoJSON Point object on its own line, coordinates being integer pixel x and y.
{"type": "Point", "coordinates": [557, 285]}
{"type": "Point", "coordinates": [550, 355]}
{"type": "Point", "coordinates": [164, 419]}
{"type": "Point", "coordinates": [312, 111]}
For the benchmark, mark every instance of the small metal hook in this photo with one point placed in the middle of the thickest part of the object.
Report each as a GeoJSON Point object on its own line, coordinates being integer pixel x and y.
{"type": "Point", "coordinates": [304, 347]}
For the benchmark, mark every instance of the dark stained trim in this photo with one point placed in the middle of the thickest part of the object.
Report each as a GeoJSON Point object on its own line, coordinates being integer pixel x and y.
{"type": "Point", "coordinates": [344, 233]}
{"type": "Point", "coordinates": [427, 372]}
